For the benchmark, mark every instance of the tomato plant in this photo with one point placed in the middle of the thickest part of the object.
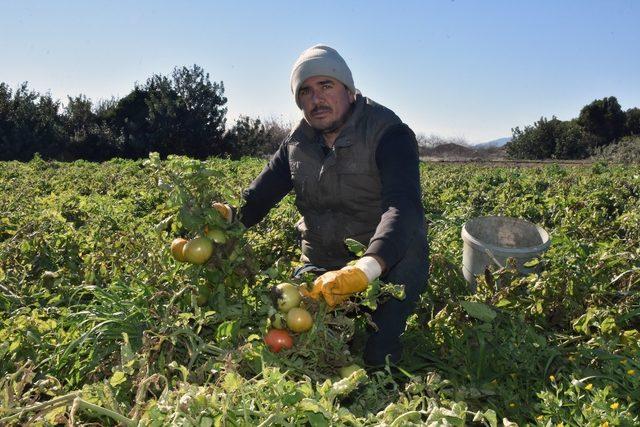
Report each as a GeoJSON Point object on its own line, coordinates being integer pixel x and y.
{"type": "Point", "coordinates": [94, 308]}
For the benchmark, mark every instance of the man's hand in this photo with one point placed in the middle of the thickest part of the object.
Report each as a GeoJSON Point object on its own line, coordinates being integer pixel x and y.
{"type": "Point", "coordinates": [336, 286]}
{"type": "Point", "coordinates": [225, 210]}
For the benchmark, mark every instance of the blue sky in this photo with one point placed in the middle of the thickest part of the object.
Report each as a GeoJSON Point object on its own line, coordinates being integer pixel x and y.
{"type": "Point", "coordinates": [471, 69]}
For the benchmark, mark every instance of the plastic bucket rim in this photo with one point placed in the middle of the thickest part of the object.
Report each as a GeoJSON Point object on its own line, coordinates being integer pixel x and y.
{"type": "Point", "coordinates": [469, 238]}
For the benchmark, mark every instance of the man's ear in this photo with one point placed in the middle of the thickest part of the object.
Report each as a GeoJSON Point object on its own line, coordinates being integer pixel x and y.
{"type": "Point", "coordinates": [352, 96]}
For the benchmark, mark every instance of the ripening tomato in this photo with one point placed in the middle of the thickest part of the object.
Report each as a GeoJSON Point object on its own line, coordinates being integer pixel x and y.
{"type": "Point", "coordinates": [299, 320]}
{"type": "Point", "coordinates": [177, 247]}
{"type": "Point", "coordinates": [285, 296]}
{"type": "Point", "coordinates": [277, 339]}
{"type": "Point", "coordinates": [198, 250]}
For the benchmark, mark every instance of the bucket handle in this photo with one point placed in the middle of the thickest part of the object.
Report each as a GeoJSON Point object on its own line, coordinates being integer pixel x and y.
{"type": "Point", "coordinates": [493, 258]}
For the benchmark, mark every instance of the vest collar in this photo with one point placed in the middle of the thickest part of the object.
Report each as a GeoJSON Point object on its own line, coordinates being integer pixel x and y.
{"type": "Point", "coordinates": [347, 135]}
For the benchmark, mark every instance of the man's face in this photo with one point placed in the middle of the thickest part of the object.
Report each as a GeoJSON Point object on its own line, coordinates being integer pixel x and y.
{"type": "Point", "coordinates": [325, 102]}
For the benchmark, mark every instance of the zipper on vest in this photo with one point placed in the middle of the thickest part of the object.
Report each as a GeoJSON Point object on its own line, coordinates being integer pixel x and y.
{"type": "Point", "coordinates": [330, 160]}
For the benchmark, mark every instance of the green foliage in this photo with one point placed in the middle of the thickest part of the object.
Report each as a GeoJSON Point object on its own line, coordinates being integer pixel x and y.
{"type": "Point", "coordinates": [29, 124]}
{"type": "Point", "coordinates": [180, 114]}
{"type": "Point", "coordinates": [247, 137]}
{"type": "Point", "coordinates": [535, 142]}
{"type": "Point", "coordinates": [633, 121]}
{"type": "Point", "coordinates": [88, 137]}
{"type": "Point", "coordinates": [551, 139]}
{"type": "Point", "coordinates": [254, 137]}
{"type": "Point", "coordinates": [186, 114]}
{"type": "Point", "coordinates": [603, 118]}
{"type": "Point", "coordinates": [128, 116]}
{"type": "Point", "coordinates": [99, 324]}
{"type": "Point", "coordinates": [599, 124]}
{"type": "Point", "coordinates": [626, 151]}
{"type": "Point", "coordinates": [573, 142]}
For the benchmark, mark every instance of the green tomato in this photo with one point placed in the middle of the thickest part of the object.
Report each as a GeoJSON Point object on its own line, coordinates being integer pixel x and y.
{"type": "Point", "coordinates": [285, 296]}
{"type": "Point", "coordinates": [278, 321]}
{"type": "Point", "coordinates": [217, 235]}
{"type": "Point", "coordinates": [204, 292]}
{"type": "Point", "coordinates": [346, 371]}
{"type": "Point", "coordinates": [299, 320]}
{"type": "Point", "coordinates": [198, 250]}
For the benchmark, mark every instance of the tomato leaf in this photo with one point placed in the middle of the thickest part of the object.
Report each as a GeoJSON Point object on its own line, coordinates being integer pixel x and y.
{"type": "Point", "coordinates": [357, 248]}
{"type": "Point", "coordinates": [478, 310]}
{"type": "Point", "coordinates": [117, 378]}
{"type": "Point", "coordinates": [316, 420]}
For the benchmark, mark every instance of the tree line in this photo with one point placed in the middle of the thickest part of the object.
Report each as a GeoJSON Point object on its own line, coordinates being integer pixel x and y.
{"type": "Point", "coordinates": [599, 126]}
{"type": "Point", "coordinates": [182, 113]}
{"type": "Point", "coordinates": [185, 113]}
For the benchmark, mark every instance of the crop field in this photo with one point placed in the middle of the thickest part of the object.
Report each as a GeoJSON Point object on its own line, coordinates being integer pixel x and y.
{"type": "Point", "coordinates": [100, 325]}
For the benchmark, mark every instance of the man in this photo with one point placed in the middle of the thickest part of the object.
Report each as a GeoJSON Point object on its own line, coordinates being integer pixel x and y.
{"type": "Point", "coordinates": [354, 168]}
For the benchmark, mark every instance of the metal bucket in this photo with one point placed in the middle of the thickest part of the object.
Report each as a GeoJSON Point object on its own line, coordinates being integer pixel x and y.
{"type": "Point", "coordinates": [490, 240]}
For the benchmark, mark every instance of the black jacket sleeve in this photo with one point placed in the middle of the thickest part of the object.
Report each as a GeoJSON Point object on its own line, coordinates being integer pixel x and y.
{"type": "Point", "coordinates": [273, 183]}
{"type": "Point", "coordinates": [399, 165]}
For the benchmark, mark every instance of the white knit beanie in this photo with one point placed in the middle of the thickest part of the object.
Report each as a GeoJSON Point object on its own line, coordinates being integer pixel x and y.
{"type": "Point", "coordinates": [320, 60]}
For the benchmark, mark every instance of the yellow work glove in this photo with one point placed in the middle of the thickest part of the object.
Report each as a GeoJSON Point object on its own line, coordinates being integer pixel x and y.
{"type": "Point", "coordinates": [336, 286]}
{"type": "Point", "coordinates": [225, 210]}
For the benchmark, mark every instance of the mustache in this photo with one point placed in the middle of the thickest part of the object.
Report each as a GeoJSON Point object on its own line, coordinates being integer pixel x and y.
{"type": "Point", "coordinates": [321, 108]}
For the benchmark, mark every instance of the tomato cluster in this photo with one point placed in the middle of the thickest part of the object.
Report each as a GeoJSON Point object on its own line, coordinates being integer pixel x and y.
{"type": "Point", "coordinates": [286, 298]}
{"type": "Point", "coordinates": [199, 249]}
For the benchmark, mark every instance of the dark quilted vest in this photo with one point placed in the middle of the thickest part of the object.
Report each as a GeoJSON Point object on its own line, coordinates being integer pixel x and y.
{"type": "Point", "coordinates": [338, 194]}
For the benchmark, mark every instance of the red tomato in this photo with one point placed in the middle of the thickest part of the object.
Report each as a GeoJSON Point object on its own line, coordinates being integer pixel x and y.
{"type": "Point", "coordinates": [277, 339]}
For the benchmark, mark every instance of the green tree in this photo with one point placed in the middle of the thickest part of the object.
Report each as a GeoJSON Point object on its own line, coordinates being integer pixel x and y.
{"type": "Point", "coordinates": [633, 121]}
{"type": "Point", "coordinates": [29, 123]}
{"type": "Point", "coordinates": [535, 142]}
{"type": "Point", "coordinates": [552, 139]}
{"type": "Point", "coordinates": [246, 137]}
{"type": "Point", "coordinates": [128, 119]}
{"type": "Point", "coordinates": [573, 142]}
{"type": "Point", "coordinates": [6, 123]}
{"type": "Point", "coordinates": [186, 114]}
{"type": "Point", "coordinates": [603, 118]}
{"type": "Point", "coordinates": [88, 137]}
{"type": "Point", "coordinates": [255, 137]}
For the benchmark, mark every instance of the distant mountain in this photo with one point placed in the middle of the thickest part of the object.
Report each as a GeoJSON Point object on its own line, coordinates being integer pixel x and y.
{"type": "Point", "coordinates": [495, 143]}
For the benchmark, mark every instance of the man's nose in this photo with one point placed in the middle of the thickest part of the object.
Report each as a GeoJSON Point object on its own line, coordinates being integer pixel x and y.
{"type": "Point", "coordinates": [316, 97]}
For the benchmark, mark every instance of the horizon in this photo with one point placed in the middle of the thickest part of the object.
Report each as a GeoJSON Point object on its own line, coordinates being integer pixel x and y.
{"type": "Point", "coordinates": [456, 69]}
